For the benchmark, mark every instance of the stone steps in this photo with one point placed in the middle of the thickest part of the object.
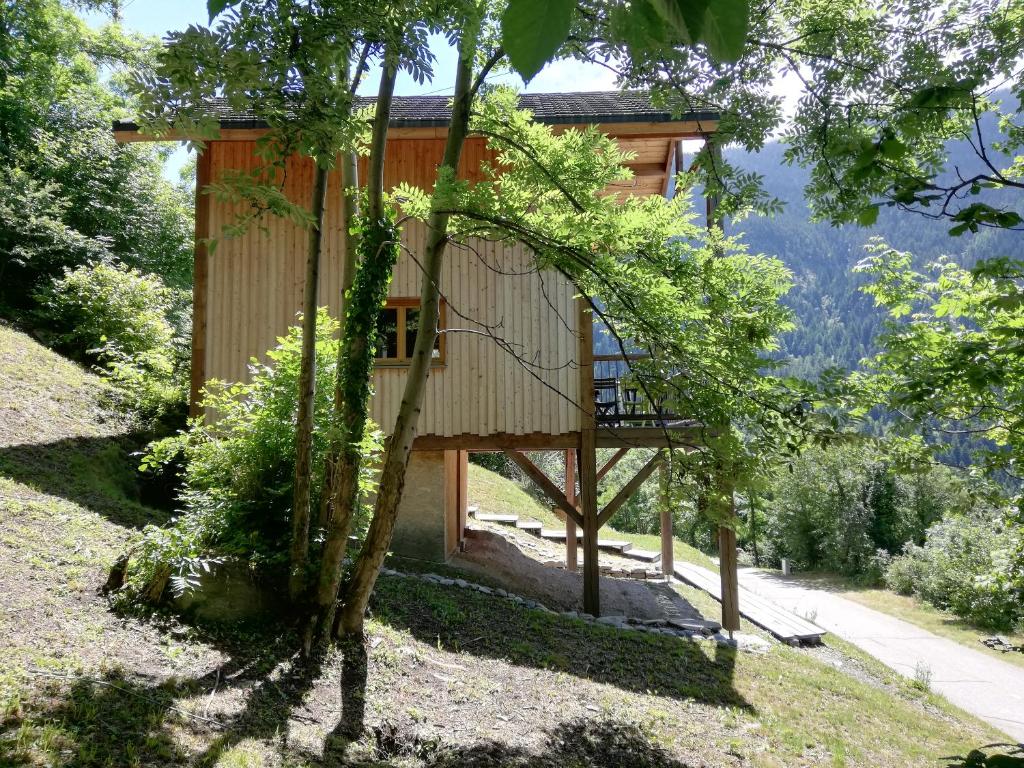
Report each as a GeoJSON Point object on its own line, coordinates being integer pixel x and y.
{"type": "Point", "coordinates": [618, 547]}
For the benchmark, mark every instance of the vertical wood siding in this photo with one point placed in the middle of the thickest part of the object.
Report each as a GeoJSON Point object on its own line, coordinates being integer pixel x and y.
{"type": "Point", "coordinates": [254, 291]}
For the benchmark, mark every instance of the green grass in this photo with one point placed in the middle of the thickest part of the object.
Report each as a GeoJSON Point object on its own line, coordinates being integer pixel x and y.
{"type": "Point", "coordinates": [451, 677]}
{"type": "Point", "coordinates": [919, 613]}
{"type": "Point", "coordinates": [498, 495]}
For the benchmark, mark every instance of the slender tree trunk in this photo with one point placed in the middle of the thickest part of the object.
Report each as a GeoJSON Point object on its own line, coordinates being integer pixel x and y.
{"type": "Point", "coordinates": [307, 393]}
{"type": "Point", "coordinates": [396, 455]}
{"type": "Point", "coordinates": [349, 211]}
{"type": "Point", "coordinates": [378, 250]}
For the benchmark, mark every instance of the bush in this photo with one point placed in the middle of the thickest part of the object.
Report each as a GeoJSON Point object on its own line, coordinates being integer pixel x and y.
{"type": "Point", "coordinates": [846, 509]}
{"type": "Point", "coordinates": [965, 566]}
{"type": "Point", "coordinates": [239, 470]}
{"type": "Point", "coordinates": [129, 323]}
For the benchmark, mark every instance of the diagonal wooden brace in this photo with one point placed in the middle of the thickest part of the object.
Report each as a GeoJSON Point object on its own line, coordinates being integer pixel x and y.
{"type": "Point", "coordinates": [548, 488]}
{"type": "Point", "coordinates": [629, 488]}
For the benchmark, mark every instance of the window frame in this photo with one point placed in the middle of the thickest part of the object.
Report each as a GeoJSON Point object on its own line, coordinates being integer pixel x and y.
{"type": "Point", "coordinates": [403, 360]}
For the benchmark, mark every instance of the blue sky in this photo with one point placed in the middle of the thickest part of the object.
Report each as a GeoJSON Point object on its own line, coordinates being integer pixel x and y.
{"type": "Point", "coordinates": [157, 17]}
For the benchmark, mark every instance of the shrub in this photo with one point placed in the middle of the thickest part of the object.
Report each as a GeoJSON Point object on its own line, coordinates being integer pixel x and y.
{"type": "Point", "coordinates": [238, 470]}
{"type": "Point", "coordinates": [129, 323]}
{"type": "Point", "coordinates": [846, 509]}
{"type": "Point", "coordinates": [965, 566]}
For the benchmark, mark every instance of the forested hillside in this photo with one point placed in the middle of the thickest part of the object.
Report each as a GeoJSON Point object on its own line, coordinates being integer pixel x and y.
{"type": "Point", "coordinates": [836, 322]}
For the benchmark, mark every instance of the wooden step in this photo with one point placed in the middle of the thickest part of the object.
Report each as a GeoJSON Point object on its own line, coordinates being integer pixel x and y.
{"type": "Point", "coordinates": [550, 535]}
{"type": "Point", "coordinates": [619, 547]}
{"type": "Point", "coordinates": [530, 526]}
{"type": "Point", "coordinates": [643, 555]}
{"type": "Point", "coordinates": [785, 625]}
{"type": "Point", "coordinates": [499, 519]}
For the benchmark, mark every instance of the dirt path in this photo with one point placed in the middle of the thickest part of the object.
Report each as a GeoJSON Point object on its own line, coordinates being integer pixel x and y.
{"type": "Point", "coordinates": [986, 687]}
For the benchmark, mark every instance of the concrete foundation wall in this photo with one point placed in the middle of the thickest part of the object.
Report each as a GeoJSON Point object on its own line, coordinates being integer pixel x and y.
{"type": "Point", "coordinates": [422, 529]}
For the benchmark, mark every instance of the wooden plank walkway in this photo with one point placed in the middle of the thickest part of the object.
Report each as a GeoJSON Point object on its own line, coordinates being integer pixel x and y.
{"type": "Point", "coordinates": [786, 626]}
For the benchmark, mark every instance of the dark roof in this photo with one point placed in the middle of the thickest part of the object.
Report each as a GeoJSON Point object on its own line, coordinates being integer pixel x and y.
{"type": "Point", "coordinates": [552, 108]}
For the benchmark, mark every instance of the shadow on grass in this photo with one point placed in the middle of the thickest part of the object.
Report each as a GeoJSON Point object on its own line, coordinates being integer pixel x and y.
{"type": "Point", "coordinates": [583, 742]}
{"type": "Point", "coordinates": [990, 756]}
{"type": "Point", "coordinates": [120, 720]}
{"type": "Point", "coordinates": [467, 621]}
{"type": "Point", "coordinates": [94, 472]}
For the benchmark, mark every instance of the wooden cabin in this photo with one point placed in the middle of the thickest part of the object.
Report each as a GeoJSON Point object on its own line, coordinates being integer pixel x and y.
{"type": "Point", "coordinates": [479, 397]}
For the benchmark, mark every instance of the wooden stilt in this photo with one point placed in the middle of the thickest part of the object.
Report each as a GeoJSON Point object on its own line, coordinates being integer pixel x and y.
{"type": "Point", "coordinates": [570, 524]}
{"type": "Point", "coordinates": [588, 510]}
{"type": "Point", "coordinates": [463, 496]}
{"type": "Point", "coordinates": [588, 462]}
{"type": "Point", "coordinates": [667, 551]}
{"type": "Point", "coordinates": [730, 583]}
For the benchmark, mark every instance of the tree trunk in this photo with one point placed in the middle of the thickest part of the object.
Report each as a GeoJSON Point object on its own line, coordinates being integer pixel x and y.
{"type": "Point", "coordinates": [349, 211]}
{"type": "Point", "coordinates": [299, 555]}
{"type": "Point", "coordinates": [396, 455]}
{"type": "Point", "coordinates": [378, 249]}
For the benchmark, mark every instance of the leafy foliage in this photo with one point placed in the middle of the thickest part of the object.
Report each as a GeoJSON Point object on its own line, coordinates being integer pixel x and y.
{"type": "Point", "coordinates": [133, 326]}
{"type": "Point", "coordinates": [965, 566]}
{"type": "Point", "coordinates": [68, 193]}
{"type": "Point", "coordinates": [238, 472]}
{"type": "Point", "coordinates": [848, 508]}
{"type": "Point", "coordinates": [703, 308]}
{"type": "Point", "coordinates": [533, 31]}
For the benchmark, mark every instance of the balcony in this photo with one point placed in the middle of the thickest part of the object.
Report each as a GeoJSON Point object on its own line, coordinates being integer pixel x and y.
{"type": "Point", "coordinates": [620, 399]}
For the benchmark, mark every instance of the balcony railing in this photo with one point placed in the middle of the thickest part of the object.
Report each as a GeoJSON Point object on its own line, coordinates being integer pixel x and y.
{"type": "Point", "coordinates": [619, 398]}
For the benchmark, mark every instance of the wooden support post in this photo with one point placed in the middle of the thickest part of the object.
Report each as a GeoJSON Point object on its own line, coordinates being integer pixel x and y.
{"type": "Point", "coordinates": [667, 549]}
{"type": "Point", "coordinates": [463, 496]}
{"type": "Point", "coordinates": [570, 524]}
{"type": "Point", "coordinates": [713, 217]}
{"type": "Point", "coordinates": [730, 581]}
{"type": "Point", "coordinates": [588, 462]}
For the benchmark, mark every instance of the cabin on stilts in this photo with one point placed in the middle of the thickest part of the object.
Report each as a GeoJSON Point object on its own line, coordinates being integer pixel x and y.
{"type": "Point", "coordinates": [479, 397]}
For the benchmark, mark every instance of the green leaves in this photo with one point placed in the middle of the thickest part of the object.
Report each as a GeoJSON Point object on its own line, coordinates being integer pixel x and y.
{"type": "Point", "coordinates": [533, 30]}
{"type": "Point", "coordinates": [724, 30]}
{"type": "Point", "coordinates": [216, 7]}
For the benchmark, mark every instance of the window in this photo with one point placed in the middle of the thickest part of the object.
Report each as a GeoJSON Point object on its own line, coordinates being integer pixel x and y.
{"type": "Point", "coordinates": [396, 332]}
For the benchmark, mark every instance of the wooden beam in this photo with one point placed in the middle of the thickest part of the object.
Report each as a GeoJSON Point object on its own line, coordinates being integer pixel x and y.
{"type": "Point", "coordinates": [669, 129]}
{"type": "Point", "coordinates": [571, 545]}
{"type": "Point", "coordinates": [588, 461]}
{"type": "Point", "coordinates": [691, 436]}
{"type": "Point", "coordinates": [502, 441]}
{"type": "Point", "coordinates": [647, 169]}
{"type": "Point", "coordinates": [629, 489]}
{"type": "Point", "coordinates": [200, 282]}
{"type": "Point", "coordinates": [547, 487]}
{"type": "Point", "coordinates": [611, 463]}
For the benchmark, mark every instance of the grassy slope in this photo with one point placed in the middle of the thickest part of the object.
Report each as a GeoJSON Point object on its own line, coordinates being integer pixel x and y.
{"type": "Point", "coordinates": [918, 612]}
{"type": "Point", "coordinates": [452, 678]}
